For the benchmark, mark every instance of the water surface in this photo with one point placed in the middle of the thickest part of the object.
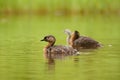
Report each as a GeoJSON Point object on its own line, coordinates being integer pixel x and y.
{"type": "Point", "coordinates": [21, 52]}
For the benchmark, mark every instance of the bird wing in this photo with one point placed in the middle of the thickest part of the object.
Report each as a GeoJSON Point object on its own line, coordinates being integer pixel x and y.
{"type": "Point", "coordinates": [85, 42]}
{"type": "Point", "coordinates": [62, 50]}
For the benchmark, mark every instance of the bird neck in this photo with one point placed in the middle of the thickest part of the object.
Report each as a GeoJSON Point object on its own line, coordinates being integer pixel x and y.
{"type": "Point", "coordinates": [73, 38]}
{"type": "Point", "coordinates": [50, 44]}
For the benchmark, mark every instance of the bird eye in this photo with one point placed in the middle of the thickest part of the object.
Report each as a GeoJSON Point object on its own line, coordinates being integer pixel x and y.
{"type": "Point", "coordinates": [45, 37]}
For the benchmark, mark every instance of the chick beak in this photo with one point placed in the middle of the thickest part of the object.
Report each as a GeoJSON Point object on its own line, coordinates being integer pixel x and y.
{"type": "Point", "coordinates": [42, 40]}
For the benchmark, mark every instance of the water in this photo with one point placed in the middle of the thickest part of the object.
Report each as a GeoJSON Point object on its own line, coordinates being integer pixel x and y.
{"type": "Point", "coordinates": [21, 52]}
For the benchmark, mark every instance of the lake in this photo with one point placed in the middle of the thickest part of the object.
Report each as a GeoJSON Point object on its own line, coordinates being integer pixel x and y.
{"type": "Point", "coordinates": [21, 52]}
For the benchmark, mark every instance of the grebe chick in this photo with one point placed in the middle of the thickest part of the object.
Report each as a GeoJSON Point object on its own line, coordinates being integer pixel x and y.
{"type": "Point", "coordinates": [81, 42]}
{"type": "Point", "coordinates": [68, 32]}
{"type": "Point", "coordinates": [56, 50]}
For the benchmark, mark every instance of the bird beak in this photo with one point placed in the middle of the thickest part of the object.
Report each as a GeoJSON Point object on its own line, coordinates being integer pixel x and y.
{"type": "Point", "coordinates": [42, 40]}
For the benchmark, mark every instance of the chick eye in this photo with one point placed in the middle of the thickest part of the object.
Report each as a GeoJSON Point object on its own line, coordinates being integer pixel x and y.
{"type": "Point", "coordinates": [45, 37]}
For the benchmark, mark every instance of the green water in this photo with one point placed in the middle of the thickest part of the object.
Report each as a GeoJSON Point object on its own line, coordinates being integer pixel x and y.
{"type": "Point", "coordinates": [21, 52]}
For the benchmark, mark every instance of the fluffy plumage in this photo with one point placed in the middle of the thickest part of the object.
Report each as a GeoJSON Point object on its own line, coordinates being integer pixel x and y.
{"type": "Point", "coordinates": [82, 42]}
{"type": "Point", "coordinates": [56, 50]}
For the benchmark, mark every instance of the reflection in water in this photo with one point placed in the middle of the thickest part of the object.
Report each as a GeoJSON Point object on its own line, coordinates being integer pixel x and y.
{"type": "Point", "coordinates": [50, 64]}
{"type": "Point", "coordinates": [76, 59]}
{"type": "Point", "coordinates": [88, 50]}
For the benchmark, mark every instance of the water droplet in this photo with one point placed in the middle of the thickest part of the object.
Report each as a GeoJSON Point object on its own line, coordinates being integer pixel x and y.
{"type": "Point", "coordinates": [110, 45]}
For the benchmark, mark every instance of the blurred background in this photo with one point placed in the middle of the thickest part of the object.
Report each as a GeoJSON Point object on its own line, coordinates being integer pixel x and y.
{"type": "Point", "coordinates": [59, 7]}
{"type": "Point", "coordinates": [23, 23]}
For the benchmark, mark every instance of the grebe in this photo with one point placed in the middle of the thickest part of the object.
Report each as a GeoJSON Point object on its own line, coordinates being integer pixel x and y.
{"type": "Point", "coordinates": [68, 32]}
{"type": "Point", "coordinates": [56, 50]}
{"type": "Point", "coordinates": [82, 42]}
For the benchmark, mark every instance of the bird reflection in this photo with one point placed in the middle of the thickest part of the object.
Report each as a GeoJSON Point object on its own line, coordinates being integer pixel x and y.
{"type": "Point", "coordinates": [50, 64]}
{"type": "Point", "coordinates": [76, 59]}
{"type": "Point", "coordinates": [51, 61]}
